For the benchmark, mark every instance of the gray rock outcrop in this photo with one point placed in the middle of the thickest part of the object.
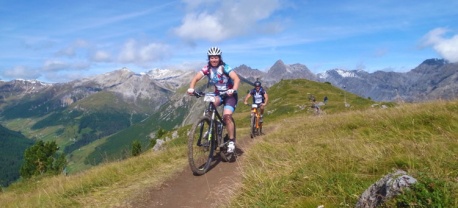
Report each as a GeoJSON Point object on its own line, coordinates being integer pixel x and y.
{"type": "Point", "coordinates": [385, 189]}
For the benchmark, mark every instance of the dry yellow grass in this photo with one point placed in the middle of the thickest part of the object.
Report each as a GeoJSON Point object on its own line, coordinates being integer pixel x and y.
{"type": "Point", "coordinates": [106, 185]}
{"type": "Point", "coordinates": [331, 159]}
{"type": "Point", "coordinates": [304, 161]}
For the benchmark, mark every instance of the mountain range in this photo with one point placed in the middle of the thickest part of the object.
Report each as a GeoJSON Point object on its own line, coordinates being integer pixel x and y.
{"type": "Point", "coordinates": [432, 79]}
{"type": "Point", "coordinates": [121, 106]}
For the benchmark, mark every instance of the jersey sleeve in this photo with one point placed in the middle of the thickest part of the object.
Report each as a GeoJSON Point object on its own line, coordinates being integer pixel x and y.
{"type": "Point", "coordinates": [227, 69]}
{"type": "Point", "coordinates": [205, 70]}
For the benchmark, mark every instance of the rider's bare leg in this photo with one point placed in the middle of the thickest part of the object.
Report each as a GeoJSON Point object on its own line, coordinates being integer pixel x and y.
{"type": "Point", "coordinates": [227, 116]}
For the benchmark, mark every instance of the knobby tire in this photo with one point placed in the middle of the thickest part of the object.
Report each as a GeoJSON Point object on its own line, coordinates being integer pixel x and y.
{"type": "Point", "coordinates": [200, 148]}
{"type": "Point", "coordinates": [253, 126]}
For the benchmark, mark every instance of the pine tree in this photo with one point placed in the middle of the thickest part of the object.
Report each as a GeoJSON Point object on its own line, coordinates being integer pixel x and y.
{"type": "Point", "coordinates": [160, 132]}
{"type": "Point", "coordinates": [42, 158]}
{"type": "Point", "coordinates": [136, 148]}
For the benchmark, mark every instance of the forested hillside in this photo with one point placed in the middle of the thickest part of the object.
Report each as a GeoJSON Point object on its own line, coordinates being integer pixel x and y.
{"type": "Point", "coordinates": [12, 146]}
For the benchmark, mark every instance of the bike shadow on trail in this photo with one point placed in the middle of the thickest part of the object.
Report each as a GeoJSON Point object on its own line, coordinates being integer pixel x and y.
{"type": "Point", "coordinates": [217, 159]}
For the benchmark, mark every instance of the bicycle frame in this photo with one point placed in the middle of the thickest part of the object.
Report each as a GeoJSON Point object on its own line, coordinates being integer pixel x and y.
{"type": "Point", "coordinates": [256, 112]}
{"type": "Point", "coordinates": [255, 124]}
{"type": "Point", "coordinates": [211, 108]}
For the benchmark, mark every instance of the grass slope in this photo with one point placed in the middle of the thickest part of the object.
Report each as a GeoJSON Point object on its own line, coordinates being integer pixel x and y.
{"type": "Point", "coordinates": [330, 160]}
{"type": "Point", "coordinates": [304, 161]}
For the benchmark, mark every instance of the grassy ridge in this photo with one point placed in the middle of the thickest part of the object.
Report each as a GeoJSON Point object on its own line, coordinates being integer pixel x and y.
{"type": "Point", "coordinates": [330, 160]}
{"type": "Point", "coordinates": [106, 185]}
{"type": "Point", "coordinates": [291, 98]}
{"type": "Point", "coordinates": [303, 161]}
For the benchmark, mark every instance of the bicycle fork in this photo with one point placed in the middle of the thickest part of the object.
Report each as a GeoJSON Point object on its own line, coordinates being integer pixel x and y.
{"type": "Point", "coordinates": [255, 113]}
{"type": "Point", "coordinates": [206, 135]}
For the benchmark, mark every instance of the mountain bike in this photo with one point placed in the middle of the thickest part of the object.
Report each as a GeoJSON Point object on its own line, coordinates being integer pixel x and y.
{"type": "Point", "coordinates": [316, 109]}
{"type": "Point", "coordinates": [206, 137]}
{"type": "Point", "coordinates": [256, 123]}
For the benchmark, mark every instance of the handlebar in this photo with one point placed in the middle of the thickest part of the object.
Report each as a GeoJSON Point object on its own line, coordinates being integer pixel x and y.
{"type": "Point", "coordinates": [201, 94]}
{"type": "Point", "coordinates": [198, 94]}
{"type": "Point", "coordinates": [252, 105]}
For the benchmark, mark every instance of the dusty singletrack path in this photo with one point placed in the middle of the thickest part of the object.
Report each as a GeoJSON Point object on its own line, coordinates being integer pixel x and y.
{"type": "Point", "coordinates": [213, 189]}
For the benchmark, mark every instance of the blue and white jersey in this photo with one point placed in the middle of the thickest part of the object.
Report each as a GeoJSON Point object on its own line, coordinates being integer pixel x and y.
{"type": "Point", "coordinates": [219, 76]}
{"type": "Point", "coordinates": [258, 96]}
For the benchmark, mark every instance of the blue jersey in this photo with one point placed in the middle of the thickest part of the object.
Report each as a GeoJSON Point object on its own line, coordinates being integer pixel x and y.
{"type": "Point", "coordinates": [258, 96]}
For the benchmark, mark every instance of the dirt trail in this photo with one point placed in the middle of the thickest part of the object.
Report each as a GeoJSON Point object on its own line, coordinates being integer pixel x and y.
{"type": "Point", "coordinates": [212, 189]}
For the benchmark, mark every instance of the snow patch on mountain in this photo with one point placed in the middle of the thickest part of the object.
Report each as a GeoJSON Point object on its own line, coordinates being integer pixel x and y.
{"type": "Point", "coordinates": [163, 74]}
{"type": "Point", "coordinates": [345, 73]}
{"type": "Point", "coordinates": [342, 73]}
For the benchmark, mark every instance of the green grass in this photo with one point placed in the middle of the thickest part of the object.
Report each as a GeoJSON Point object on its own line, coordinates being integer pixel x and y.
{"type": "Point", "coordinates": [106, 185]}
{"type": "Point", "coordinates": [330, 160]}
{"type": "Point", "coordinates": [303, 161]}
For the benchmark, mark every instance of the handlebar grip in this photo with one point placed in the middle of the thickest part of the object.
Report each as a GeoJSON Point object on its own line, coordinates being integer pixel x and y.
{"type": "Point", "coordinates": [197, 94]}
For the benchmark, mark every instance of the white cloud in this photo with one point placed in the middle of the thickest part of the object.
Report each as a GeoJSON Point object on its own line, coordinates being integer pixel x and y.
{"type": "Point", "coordinates": [70, 51]}
{"type": "Point", "coordinates": [446, 47]}
{"type": "Point", "coordinates": [226, 20]}
{"type": "Point", "coordinates": [192, 4]}
{"type": "Point", "coordinates": [57, 65]}
{"type": "Point", "coordinates": [21, 72]}
{"type": "Point", "coordinates": [63, 77]}
{"type": "Point", "coordinates": [201, 26]}
{"type": "Point", "coordinates": [53, 65]}
{"type": "Point", "coordinates": [52, 70]}
{"type": "Point", "coordinates": [81, 65]}
{"type": "Point", "coordinates": [143, 53]}
{"type": "Point", "coordinates": [101, 56]}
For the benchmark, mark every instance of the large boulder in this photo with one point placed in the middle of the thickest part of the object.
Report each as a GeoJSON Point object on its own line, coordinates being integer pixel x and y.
{"type": "Point", "coordinates": [384, 189]}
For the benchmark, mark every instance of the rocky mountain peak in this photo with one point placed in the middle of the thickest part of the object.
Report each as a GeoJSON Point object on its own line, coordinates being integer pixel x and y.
{"type": "Point", "coordinates": [429, 66]}
{"type": "Point", "coordinates": [248, 72]}
{"type": "Point", "coordinates": [278, 66]}
{"type": "Point", "coordinates": [434, 62]}
{"type": "Point", "coordinates": [278, 69]}
{"type": "Point", "coordinates": [295, 71]}
{"type": "Point", "coordinates": [20, 87]}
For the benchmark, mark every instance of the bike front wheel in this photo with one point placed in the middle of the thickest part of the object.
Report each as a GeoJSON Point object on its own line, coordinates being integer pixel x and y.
{"type": "Point", "coordinates": [253, 127]}
{"type": "Point", "coordinates": [201, 146]}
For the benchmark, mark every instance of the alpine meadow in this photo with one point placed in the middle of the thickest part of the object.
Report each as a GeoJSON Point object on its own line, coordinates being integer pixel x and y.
{"type": "Point", "coordinates": [305, 159]}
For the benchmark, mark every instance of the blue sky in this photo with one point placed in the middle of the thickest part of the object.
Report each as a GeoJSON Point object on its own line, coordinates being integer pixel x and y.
{"type": "Point", "coordinates": [62, 40]}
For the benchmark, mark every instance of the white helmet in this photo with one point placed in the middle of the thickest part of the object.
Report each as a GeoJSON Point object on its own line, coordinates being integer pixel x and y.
{"type": "Point", "coordinates": [214, 51]}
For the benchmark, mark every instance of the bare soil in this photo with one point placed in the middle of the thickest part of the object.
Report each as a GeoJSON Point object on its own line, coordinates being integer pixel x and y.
{"type": "Point", "coordinates": [213, 189]}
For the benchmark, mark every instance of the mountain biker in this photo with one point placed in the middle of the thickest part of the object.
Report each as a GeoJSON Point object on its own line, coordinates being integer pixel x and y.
{"type": "Point", "coordinates": [225, 80]}
{"type": "Point", "coordinates": [259, 97]}
{"type": "Point", "coordinates": [315, 106]}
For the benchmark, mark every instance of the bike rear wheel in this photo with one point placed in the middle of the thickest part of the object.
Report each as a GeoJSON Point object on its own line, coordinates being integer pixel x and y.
{"type": "Point", "coordinates": [201, 146]}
